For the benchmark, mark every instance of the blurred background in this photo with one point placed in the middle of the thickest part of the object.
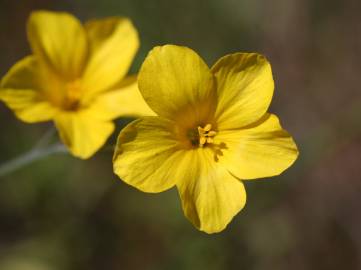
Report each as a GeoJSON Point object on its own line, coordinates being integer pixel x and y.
{"type": "Point", "coordinates": [64, 213]}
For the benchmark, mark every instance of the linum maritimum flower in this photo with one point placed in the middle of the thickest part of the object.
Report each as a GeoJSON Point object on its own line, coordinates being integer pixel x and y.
{"type": "Point", "coordinates": [75, 77]}
{"type": "Point", "coordinates": [211, 132]}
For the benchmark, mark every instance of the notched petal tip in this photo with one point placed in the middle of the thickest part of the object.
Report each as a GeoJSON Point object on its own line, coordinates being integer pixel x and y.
{"type": "Point", "coordinates": [210, 195]}
{"type": "Point", "coordinates": [240, 61]}
{"type": "Point", "coordinates": [245, 88]}
{"type": "Point", "coordinates": [263, 149]}
{"type": "Point", "coordinates": [58, 39]}
{"type": "Point", "coordinates": [173, 79]}
{"type": "Point", "coordinates": [218, 228]}
{"type": "Point", "coordinates": [114, 42]}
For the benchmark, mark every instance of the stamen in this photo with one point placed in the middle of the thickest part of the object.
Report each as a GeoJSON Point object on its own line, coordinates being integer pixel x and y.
{"type": "Point", "coordinates": [210, 140]}
{"type": "Point", "coordinates": [208, 127]}
{"type": "Point", "coordinates": [202, 141]}
{"type": "Point", "coordinates": [206, 135]}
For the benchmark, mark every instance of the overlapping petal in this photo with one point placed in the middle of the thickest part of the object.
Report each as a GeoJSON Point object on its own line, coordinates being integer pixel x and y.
{"type": "Point", "coordinates": [245, 88]}
{"type": "Point", "coordinates": [210, 195]}
{"type": "Point", "coordinates": [72, 75]}
{"type": "Point", "coordinates": [59, 40]}
{"type": "Point", "coordinates": [83, 132]}
{"type": "Point", "coordinates": [147, 156]}
{"type": "Point", "coordinates": [113, 44]}
{"type": "Point", "coordinates": [125, 100]}
{"type": "Point", "coordinates": [22, 92]}
{"type": "Point", "coordinates": [174, 79]}
{"type": "Point", "coordinates": [262, 150]}
{"type": "Point", "coordinates": [155, 153]}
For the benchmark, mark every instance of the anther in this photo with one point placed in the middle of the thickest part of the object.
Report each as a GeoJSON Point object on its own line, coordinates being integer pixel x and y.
{"type": "Point", "coordinates": [206, 135]}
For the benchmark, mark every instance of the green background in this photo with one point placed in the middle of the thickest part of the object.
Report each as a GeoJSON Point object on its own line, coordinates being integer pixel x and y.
{"type": "Point", "coordinates": [65, 213]}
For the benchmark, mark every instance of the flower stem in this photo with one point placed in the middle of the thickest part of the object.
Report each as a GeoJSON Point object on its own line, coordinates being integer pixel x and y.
{"type": "Point", "coordinates": [39, 151]}
{"type": "Point", "coordinates": [29, 157]}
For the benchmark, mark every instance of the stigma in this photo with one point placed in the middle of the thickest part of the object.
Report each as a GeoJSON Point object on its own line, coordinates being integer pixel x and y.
{"type": "Point", "coordinates": [206, 135]}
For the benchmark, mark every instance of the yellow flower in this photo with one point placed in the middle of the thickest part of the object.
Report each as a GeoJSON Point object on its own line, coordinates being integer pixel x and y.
{"type": "Point", "coordinates": [212, 130]}
{"type": "Point", "coordinates": [75, 77]}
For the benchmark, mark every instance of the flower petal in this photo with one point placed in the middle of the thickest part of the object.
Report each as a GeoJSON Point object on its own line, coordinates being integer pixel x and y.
{"type": "Point", "coordinates": [174, 79]}
{"type": "Point", "coordinates": [59, 40]}
{"type": "Point", "coordinates": [210, 195]}
{"type": "Point", "coordinates": [147, 155]}
{"type": "Point", "coordinates": [245, 89]}
{"type": "Point", "coordinates": [114, 42]}
{"type": "Point", "coordinates": [149, 158]}
{"type": "Point", "coordinates": [126, 100]}
{"type": "Point", "coordinates": [262, 150]}
{"type": "Point", "coordinates": [83, 132]}
{"type": "Point", "coordinates": [21, 92]}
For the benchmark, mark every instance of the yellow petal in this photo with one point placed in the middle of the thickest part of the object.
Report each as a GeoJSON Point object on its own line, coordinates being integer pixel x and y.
{"type": "Point", "coordinates": [263, 150]}
{"type": "Point", "coordinates": [21, 92]}
{"type": "Point", "coordinates": [126, 100]}
{"type": "Point", "coordinates": [175, 81]}
{"type": "Point", "coordinates": [59, 40]}
{"type": "Point", "coordinates": [245, 89]}
{"type": "Point", "coordinates": [149, 158]}
{"type": "Point", "coordinates": [210, 195]}
{"type": "Point", "coordinates": [146, 155]}
{"type": "Point", "coordinates": [113, 42]}
{"type": "Point", "coordinates": [83, 132]}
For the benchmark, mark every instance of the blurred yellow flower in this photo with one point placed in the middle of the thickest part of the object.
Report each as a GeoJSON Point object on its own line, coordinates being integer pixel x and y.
{"type": "Point", "coordinates": [212, 130]}
{"type": "Point", "coordinates": [75, 77]}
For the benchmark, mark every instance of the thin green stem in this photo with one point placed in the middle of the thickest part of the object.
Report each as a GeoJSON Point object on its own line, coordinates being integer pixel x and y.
{"type": "Point", "coordinates": [40, 150]}
{"type": "Point", "coordinates": [45, 139]}
{"type": "Point", "coordinates": [29, 157]}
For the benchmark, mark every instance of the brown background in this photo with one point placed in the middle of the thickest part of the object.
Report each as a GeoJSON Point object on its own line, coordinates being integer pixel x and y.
{"type": "Point", "coordinates": [64, 213]}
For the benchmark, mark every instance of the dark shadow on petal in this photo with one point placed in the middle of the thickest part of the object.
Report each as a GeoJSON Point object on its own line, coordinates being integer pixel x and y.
{"type": "Point", "coordinates": [217, 150]}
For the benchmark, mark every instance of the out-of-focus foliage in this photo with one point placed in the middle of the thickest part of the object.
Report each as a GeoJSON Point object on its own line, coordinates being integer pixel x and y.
{"type": "Point", "coordinates": [63, 213]}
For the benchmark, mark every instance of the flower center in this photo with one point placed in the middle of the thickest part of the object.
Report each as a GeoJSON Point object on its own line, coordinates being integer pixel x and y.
{"type": "Point", "coordinates": [202, 136]}
{"type": "Point", "coordinates": [72, 95]}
